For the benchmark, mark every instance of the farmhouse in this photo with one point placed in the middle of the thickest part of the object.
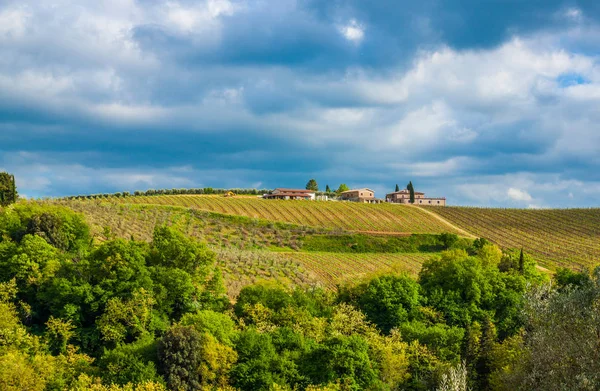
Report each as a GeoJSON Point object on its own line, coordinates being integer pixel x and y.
{"type": "Point", "coordinates": [403, 197]}
{"type": "Point", "coordinates": [359, 195]}
{"type": "Point", "coordinates": [290, 194]}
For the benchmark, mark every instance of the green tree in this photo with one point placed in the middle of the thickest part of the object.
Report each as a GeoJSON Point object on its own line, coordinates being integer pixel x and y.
{"type": "Point", "coordinates": [387, 301]}
{"type": "Point", "coordinates": [397, 187]}
{"type": "Point", "coordinates": [59, 332]}
{"type": "Point", "coordinates": [171, 248]}
{"type": "Point", "coordinates": [559, 350]}
{"type": "Point", "coordinates": [131, 363]}
{"type": "Point", "coordinates": [345, 359]}
{"type": "Point", "coordinates": [180, 357]}
{"type": "Point", "coordinates": [312, 185]}
{"type": "Point", "coordinates": [411, 189]}
{"type": "Point", "coordinates": [343, 187]}
{"type": "Point", "coordinates": [327, 189]}
{"type": "Point", "coordinates": [485, 360]}
{"type": "Point", "coordinates": [8, 189]}
{"type": "Point", "coordinates": [521, 262]}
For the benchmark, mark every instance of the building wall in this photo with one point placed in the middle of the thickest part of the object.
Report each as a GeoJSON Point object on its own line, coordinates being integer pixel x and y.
{"type": "Point", "coordinates": [420, 199]}
{"type": "Point", "coordinates": [357, 194]}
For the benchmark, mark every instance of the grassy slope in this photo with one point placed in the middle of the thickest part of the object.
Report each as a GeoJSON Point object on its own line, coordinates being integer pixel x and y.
{"type": "Point", "coordinates": [555, 237]}
{"type": "Point", "coordinates": [243, 244]}
{"type": "Point", "coordinates": [333, 215]}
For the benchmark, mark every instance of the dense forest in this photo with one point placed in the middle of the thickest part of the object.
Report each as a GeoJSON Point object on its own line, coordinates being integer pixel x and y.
{"type": "Point", "coordinates": [77, 314]}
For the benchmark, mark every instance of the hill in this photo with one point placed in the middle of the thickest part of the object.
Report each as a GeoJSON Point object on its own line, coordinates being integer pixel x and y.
{"type": "Point", "coordinates": [554, 237]}
{"type": "Point", "coordinates": [279, 229]}
{"type": "Point", "coordinates": [252, 249]}
{"type": "Point", "coordinates": [350, 216]}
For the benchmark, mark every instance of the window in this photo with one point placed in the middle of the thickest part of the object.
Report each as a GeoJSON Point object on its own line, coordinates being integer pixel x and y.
{"type": "Point", "coordinates": [438, 202]}
{"type": "Point", "coordinates": [430, 202]}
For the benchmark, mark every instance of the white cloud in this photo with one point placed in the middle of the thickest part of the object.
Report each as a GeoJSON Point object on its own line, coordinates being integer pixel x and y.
{"type": "Point", "coordinates": [353, 31]}
{"type": "Point", "coordinates": [518, 194]}
{"type": "Point", "coordinates": [573, 14]}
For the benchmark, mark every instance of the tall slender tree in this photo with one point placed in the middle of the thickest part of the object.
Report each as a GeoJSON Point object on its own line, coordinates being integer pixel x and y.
{"type": "Point", "coordinates": [521, 261]}
{"type": "Point", "coordinates": [397, 187]}
{"type": "Point", "coordinates": [327, 189]}
{"type": "Point", "coordinates": [8, 189]}
{"type": "Point", "coordinates": [411, 189]}
{"type": "Point", "coordinates": [486, 350]}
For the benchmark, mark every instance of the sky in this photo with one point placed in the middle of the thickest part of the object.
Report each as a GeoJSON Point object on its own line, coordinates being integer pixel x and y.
{"type": "Point", "coordinates": [487, 103]}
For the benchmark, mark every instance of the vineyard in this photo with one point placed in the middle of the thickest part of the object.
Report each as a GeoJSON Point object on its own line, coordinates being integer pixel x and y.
{"type": "Point", "coordinates": [554, 237]}
{"type": "Point", "coordinates": [241, 268]}
{"type": "Point", "coordinates": [333, 215]}
{"type": "Point", "coordinates": [334, 268]}
{"type": "Point", "coordinates": [138, 221]}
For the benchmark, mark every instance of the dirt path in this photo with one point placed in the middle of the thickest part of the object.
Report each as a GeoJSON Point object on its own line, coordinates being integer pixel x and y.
{"type": "Point", "coordinates": [440, 218]}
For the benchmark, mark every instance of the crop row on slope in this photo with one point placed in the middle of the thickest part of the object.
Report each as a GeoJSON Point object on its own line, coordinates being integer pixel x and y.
{"type": "Point", "coordinates": [555, 237]}
{"type": "Point", "coordinates": [243, 267]}
{"type": "Point", "coordinates": [333, 269]}
{"type": "Point", "coordinates": [108, 219]}
{"type": "Point", "coordinates": [332, 215]}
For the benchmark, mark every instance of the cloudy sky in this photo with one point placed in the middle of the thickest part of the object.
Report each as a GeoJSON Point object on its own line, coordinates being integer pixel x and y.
{"type": "Point", "coordinates": [490, 103]}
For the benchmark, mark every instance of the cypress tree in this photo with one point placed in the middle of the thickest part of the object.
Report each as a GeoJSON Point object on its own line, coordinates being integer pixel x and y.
{"type": "Point", "coordinates": [521, 262]}
{"type": "Point", "coordinates": [484, 364]}
{"type": "Point", "coordinates": [411, 189]}
{"type": "Point", "coordinates": [397, 187]}
{"type": "Point", "coordinates": [327, 189]}
{"type": "Point", "coordinates": [8, 189]}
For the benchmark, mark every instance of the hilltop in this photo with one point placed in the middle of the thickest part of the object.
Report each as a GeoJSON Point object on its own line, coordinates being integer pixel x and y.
{"type": "Point", "coordinates": [554, 237]}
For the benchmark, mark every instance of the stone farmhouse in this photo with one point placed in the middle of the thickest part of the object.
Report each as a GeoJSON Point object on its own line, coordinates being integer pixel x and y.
{"type": "Point", "coordinates": [403, 197]}
{"type": "Point", "coordinates": [359, 195]}
{"type": "Point", "coordinates": [291, 194]}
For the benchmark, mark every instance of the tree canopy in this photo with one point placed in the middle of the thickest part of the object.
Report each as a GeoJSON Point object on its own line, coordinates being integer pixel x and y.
{"type": "Point", "coordinates": [312, 185]}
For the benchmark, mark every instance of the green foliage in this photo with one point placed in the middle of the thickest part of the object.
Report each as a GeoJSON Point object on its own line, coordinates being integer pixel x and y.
{"type": "Point", "coordinates": [129, 315]}
{"type": "Point", "coordinates": [466, 289]}
{"type": "Point", "coordinates": [560, 347]}
{"type": "Point", "coordinates": [8, 189]}
{"type": "Point", "coordinates": [171, 248]}
{"type": "Point", "coordinates": [59, 333]}
{"type": "Point", "coordinates": [448, 240]}
{"type": "Point", "coordinates": [342, 188]}
{"type": "Point", "coordinates": [566, 277]}
{"type": "Point", "coordinates": [180, 357]}
{"type": "Point", "coordinates": [344, 359]}
{"type": "Point", "coordinates": [312, 185]}
{"type": "Point", "coordinates": [60, 227]}
{"type": "Point", "coordinates": [388, 301]}
{"type": "Point", "coordinates": [397, 187]}
{"type": "Point", "coordinates": [444, 341]}
{"type": "Point", "coordinates": [327, 189]}
{"type": "Point", "coordinates": [131, 363]}
{"type": "Point", "coordinates": [359, 243]}
{"type": "Point", "coordinates": [220, 326]}
{"type": "Point", "coordinates": [257, 364]}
